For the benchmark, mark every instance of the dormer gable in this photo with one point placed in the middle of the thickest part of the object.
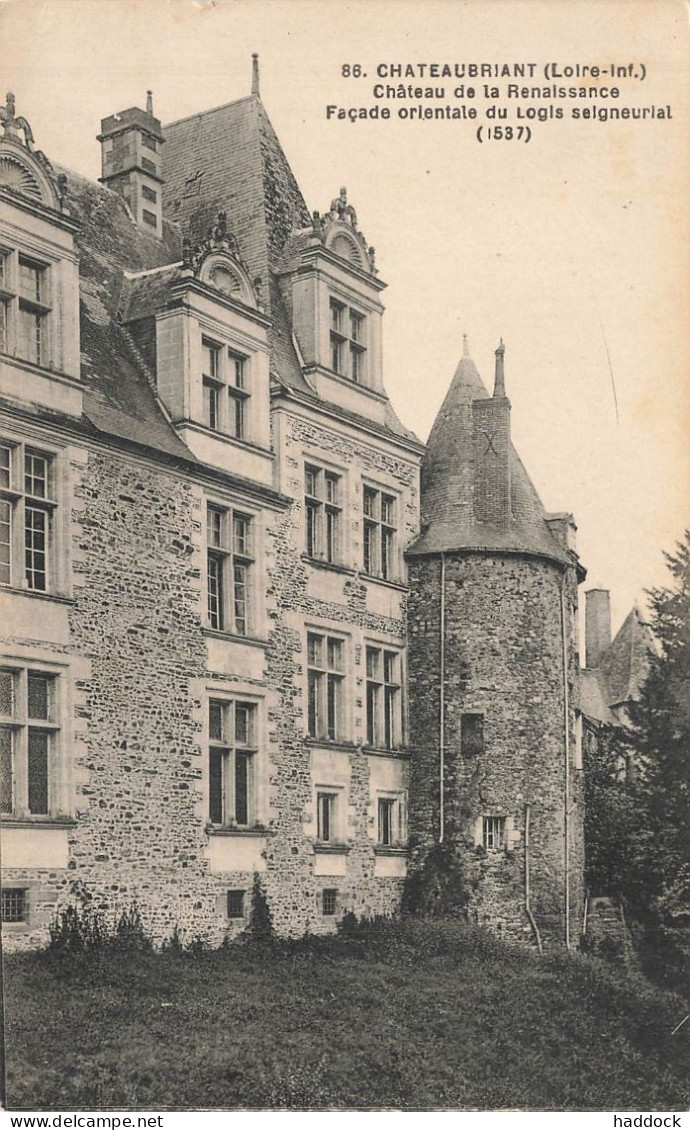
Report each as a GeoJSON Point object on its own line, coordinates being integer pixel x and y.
{"type": "Point", "coordinates": [201, 328]}
{"type": "Point", "coordinates": [39, 277]}
{"type": "Point", "coordinates": [330, 283]}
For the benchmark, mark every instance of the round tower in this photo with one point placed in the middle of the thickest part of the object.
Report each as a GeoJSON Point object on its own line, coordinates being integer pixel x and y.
{"type": "Point", "coordinates": [493, 669]}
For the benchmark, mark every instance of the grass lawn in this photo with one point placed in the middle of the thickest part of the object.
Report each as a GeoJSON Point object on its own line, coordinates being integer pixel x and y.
{"type": "Point", "coordinates": [414, 1016]}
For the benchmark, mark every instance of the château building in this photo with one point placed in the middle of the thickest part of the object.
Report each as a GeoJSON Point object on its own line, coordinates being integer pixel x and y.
{"type": "Point", "coordinates": [210, 538]}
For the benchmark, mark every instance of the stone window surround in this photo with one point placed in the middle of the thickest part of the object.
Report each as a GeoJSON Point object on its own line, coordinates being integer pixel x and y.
{"type": "Point", "coordinates": [25, 925]}
{"type": "Point", "coordinates": [348, 340]}
{"type": "Point", "coordinates": [396, 801]}
{"type": "Point", "coordinates": [344, 701]}
{"type": "Point", "coordinates": [235, 407]}
{"type": "Point", "coordinates": [254, 610]}
{"type": "Point", "coordinates": [398, 727]}
{"type": "Point", "coordinates": [394, 570]}
{"type": "Point", "coordinates": [50, 308]}
{"type": "Point", "coordinates": [59, 790]}
{"type": "Point", "coordinates": [336, 839]}
{"type": "Point", "coordinates": [257, 769]}
{"type": "Point", "coordinates": [339, 507]}
{"type": "Point", "coordinates": [58, 505]}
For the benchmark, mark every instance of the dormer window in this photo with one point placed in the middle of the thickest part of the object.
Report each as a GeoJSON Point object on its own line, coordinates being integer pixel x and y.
{"type": "Point", "coordinates": [225, 381]}
{"type": "Point", "coordinates": [24, 307]}
{"type": "Point", "coordinates": [348, 349]}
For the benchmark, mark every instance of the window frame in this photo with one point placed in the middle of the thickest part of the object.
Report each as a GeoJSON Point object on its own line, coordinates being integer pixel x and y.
{"type": "Point", "coordinates": [224, 775]}
{"type": "Point", "coordinates": [226, 389]}
{"type": "Point", "coordinates": [347, 345]}
{"type": "Point", "coordinates": [21, 725]}
{"type": "Point", "coordinates": [494, 832]}
{"type": "Point", "coordinates": [18, 305]}
{"type": "Point", "coordinates": [323, 513]}
{"type": "Point", "coordinates": [391, 831]}
{"type": "Point", "coordinates": [231, 563]}
{"type": "Point", "coordinates": [329, 902]}
{"type": "Point", "coordinates": [326, 685]}
{"type": "Point", "coordinates": [231, 911]}
{"type": "Point", "coordinates": [380, 557]}
{"type": "Point", "coordinates": [6, 893]}
{"type": "Point", "coordinates": [384, 715]}
{"type": "Point", "coordinates": [22, 538]}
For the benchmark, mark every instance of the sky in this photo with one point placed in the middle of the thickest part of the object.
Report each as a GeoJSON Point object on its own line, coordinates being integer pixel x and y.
{"type": "Point", "coordinates": [572, 246]}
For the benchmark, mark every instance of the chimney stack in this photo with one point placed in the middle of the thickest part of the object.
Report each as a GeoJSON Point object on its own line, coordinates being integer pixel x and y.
{"type": "Point", "coordinates": [131, 148]}
{"type": "Point", "coordinates": [597, 625]}
{"type": "Point", "coordinates": [491, 453]}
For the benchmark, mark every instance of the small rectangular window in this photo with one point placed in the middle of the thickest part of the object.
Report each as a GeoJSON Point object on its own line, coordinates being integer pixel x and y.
{"type": "Point", "coordinates": [148, 166]}
{"type": "Point", "coordinates": [329, 901]}
{"type": "Point", "coordinates": [14, 905]}
{"type": "Point", "coordinates": [472, 735]}
{"type": "Point", "coordinates": [494, 832]}
{"type": "Point", "coordinates": [149, 218]}
{"type": "Point", "coordinates": [236, 904]}
{"type": "Point", "coordinates": [326, 808]}
{"type": "Point", "coordinates": [148, 193]}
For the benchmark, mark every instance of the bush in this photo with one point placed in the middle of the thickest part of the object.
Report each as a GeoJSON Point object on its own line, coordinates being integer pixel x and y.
{"type": "Point", "coordinates": [78, 927]}
{"type": "Point", "coordinates": [437, 888]}
{"type": "Point", "coordinates": [260, 929]}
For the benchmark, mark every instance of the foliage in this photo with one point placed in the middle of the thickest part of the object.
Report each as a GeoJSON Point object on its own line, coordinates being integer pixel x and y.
{"type": "Point", "coordinates": [79, 927]}
{"type": "Point", "coordinates": [410, 1014]}
{"type": "Point", "coordinates": [260, 929]}
{"type": "Point", "coordinates": [638, 828]}
{"type": "Point", "coordinates": [436, 887]}
{"type": "Point", "coordinates": [660, 743]}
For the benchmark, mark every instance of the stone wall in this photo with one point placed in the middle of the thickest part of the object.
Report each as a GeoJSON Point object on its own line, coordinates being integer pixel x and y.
{"type": "Point", "coordinates": [503, 661]}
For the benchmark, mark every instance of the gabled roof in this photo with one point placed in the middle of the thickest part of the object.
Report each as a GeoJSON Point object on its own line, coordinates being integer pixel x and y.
{"type": "Point", "coordinates": [624, 665]}
{"type": "Point", "coordinates": [447, 492]}
{"type": "Point", "coordinates": [621, 672]}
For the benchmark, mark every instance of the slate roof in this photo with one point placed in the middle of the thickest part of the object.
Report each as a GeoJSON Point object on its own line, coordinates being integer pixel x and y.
{"type": "Point", "coordinates": [620, 674]}
{"type": "Point", "coordinates": [230, 158]}
{"type": "Point", "coordinates": [227, 158]}
{"type": "Point", "coordinates": [447, 491]}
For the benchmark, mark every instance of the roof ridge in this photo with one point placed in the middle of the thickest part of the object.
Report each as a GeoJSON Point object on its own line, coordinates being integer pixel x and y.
{"type": "Point", "coordinates": [213, 110]}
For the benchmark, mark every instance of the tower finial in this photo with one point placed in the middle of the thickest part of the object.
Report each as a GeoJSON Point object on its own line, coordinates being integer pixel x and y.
{"type": "Point", "coordinates": [499, 383]}
{"type": "Point", "coordinates": [465, 346]}
{"type": "Point", "coordinates": [149, 102]}
{"type": "Point", "coordinates": [255, 74]}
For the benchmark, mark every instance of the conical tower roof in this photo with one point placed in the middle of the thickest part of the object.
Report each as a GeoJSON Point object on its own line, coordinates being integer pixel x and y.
{"type": "Point", "coordinates": [448, 520]}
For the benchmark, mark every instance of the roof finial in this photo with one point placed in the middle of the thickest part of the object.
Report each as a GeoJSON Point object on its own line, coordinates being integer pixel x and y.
{"type": "Point", "coordinates": [465, 346]}
{"type": "Point", "coordinates": [149, 102]}
{"type": "Point", "coordinates": [500, 384]}
{"type": "Point", "coordinates": [255, 74]}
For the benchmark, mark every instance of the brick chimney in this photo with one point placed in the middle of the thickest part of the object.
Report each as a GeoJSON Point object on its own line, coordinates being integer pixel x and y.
{"type": "Point", "coordinates": [131, 145]}
{"type": "Point", "coordinates": [597, 625]}
{"type": "Point", "coordinates": [491, 452]}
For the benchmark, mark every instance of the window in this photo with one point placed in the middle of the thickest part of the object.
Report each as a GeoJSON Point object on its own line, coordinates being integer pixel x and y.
{"type": "Point", "coordinates": [577, 749]}
{"type": "Point", "coordinates": [236, 904]}
{"type": "Point", "coordinates": [322, 507]}
{"type": "Point", "coordinates": [494, 832]}
{"type": "Point", "coordinates": [327, 817]}
{"type": "Point", "coordinates": [347, 344]}
{"type": "Point", "coordinates": [148, 166]}
{"type": "Point", "coordinates": [383, 698]}
{"type": "Point", "coordinates": [379, 533]}
{"type": "Point", "coordinates": [149, 217]}
{"type": "Point", "coordinates": [329, 901]}
{"type": "Point", "coordinates": [229, 570]}
{"type": "Point", "coordinates": [14, 905]}
{"type": "Point", "coordinates": [29, 734]}
{"type": "Point", "coordinates": [325, 677]}
{"type": "Point", "coordinates": [391, 820]}
{"type": "Point", "coordinates": [225, 390]}
{"type": "Point", "coordinates": [24, 307]}
{"type": "Point", "coordinates": [232, 748]}
{"type": "Point", "coordinates": [26, 516]}
{"type": "Point", "coordinates": [472, 735]}
{"type": "Point", "coordinates": [148, 193]}
{"type": "Point", "coordinates": [148, 141]}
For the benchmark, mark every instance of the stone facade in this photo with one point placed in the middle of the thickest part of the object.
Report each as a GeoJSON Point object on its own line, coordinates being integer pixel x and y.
{"type": "Point", "coordinates": [204, 531]}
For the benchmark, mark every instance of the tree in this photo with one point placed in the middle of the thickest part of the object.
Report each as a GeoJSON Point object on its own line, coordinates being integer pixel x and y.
{"type": "Point", "coordinates": [659, 740]}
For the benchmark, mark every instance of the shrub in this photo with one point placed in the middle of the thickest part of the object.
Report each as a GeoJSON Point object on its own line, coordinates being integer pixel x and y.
{"type": "Point", "coordinates": [438, 887]}
{"type": "Point", "coordinates": [260, 929]}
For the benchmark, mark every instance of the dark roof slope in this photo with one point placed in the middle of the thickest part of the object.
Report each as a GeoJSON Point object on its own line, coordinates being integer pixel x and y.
{"type": "Point", "coordinates": [118, 397]}
{"type": "Point", "coordinates": [447, 494]}
{"type": "Point", "coordinates": [622, 671]}
{"type": "Point", "coordinates": [230, 159]}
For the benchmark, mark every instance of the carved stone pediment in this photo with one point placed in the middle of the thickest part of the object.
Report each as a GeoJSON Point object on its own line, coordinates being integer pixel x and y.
{"type": "Point", "coordinates": [216, 261]}
{"type": "Point", "coordinates": [24, 169]}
